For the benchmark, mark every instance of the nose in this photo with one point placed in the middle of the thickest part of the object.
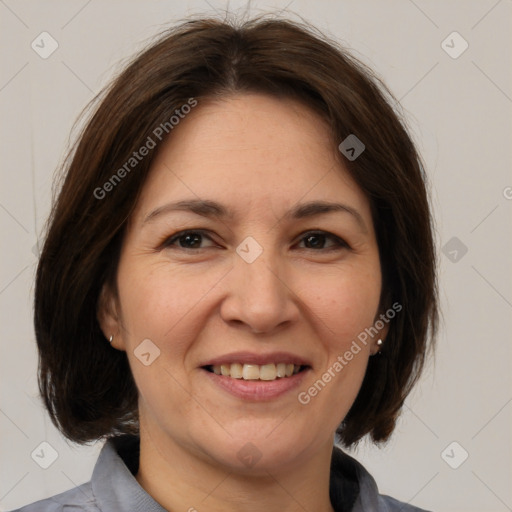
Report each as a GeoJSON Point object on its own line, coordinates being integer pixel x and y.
{"type": "Point", "coordinates": [259, 295]}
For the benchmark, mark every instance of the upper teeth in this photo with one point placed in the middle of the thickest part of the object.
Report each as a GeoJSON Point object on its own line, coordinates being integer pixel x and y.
{"type": "Point", "coordinates": [254, 372]}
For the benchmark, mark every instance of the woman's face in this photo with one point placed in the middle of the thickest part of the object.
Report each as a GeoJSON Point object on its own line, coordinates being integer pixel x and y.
{"type": "Point", "coordinates": [269, 282]}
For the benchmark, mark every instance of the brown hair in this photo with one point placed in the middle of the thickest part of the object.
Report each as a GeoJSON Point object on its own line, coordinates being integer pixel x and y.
{"type": "Point", "coordinates": [87, 386]}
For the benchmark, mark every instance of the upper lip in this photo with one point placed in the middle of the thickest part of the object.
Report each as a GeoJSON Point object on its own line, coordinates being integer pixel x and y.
{"type": "Point", "coordinates": [259, 359]}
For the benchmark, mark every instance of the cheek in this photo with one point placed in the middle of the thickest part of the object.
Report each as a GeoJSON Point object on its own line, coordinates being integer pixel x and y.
{"type": "Point", "coordinates": [159, 301]}
{"type": "Point", "coordinates": [346, 309]}
{"type": "Point", "coordinates": [346, 305]}
{"type": "Point", "coordinates": [158, 305]}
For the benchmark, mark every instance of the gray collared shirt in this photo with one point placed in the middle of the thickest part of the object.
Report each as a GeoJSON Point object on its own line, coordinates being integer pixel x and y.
{"type": "Point", "coordinates": [114, 488]}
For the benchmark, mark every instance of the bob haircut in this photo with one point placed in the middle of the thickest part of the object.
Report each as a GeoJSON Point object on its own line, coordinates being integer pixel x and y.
{"type": "Point", "coordinates": [87, 387]}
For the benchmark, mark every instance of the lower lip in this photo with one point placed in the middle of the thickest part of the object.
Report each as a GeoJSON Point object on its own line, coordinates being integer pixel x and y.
{"type": "Point", "coordinates": [257, 390]}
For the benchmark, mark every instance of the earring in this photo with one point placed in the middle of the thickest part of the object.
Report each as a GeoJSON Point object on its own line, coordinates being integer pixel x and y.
{"type": "Point", "coordinates": [110, 340]}
{"type": "Point", "coordinates": [379, 344]}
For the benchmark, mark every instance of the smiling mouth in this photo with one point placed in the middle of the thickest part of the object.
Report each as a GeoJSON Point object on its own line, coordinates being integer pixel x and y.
{"type": "Point", "coordinates": [265, 372]}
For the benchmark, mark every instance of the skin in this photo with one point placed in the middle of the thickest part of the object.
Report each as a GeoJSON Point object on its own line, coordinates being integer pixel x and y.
{"type": "Point", "coordinates": [259, 156]}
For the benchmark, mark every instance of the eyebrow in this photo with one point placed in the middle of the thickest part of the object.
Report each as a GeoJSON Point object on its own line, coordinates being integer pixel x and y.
{"type": "Point", "coordinates": [213, 209]}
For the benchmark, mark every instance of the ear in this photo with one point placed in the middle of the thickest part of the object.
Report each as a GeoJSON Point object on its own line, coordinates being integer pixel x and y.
{"type": "Point", "coordinates": [108, 316]}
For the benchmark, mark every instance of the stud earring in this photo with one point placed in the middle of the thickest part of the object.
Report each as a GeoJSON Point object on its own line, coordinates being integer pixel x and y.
{"type": "Point", "coordinates": [379, 344]}
{"type": "Point", "coordinates": [110, 339]}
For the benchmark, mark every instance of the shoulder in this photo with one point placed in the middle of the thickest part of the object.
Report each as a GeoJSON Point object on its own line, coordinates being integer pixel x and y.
{"type": "Point", "coordinates": [79, 498]}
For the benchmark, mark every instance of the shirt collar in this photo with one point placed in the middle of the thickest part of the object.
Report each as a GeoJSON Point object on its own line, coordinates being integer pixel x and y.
{"type": "Point", "coordinates": [115, 487]}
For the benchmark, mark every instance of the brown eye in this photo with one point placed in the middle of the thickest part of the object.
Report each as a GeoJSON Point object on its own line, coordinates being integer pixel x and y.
{"type": "Point", "coordinates": [316, 240]}
{"type": "Point", "coordinates": [186, 240]}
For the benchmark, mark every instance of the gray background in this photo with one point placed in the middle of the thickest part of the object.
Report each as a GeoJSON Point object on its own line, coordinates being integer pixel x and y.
{"type": "Point", "coordinates": [459, 111]}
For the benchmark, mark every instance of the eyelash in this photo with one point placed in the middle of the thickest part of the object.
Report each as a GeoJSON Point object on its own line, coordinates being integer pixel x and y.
{"type": "Point", "coordinates": [169, 242]}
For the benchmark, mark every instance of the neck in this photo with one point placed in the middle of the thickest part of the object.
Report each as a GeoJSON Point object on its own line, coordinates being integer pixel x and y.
{"type": "Point", "coordinates": [178, 480]}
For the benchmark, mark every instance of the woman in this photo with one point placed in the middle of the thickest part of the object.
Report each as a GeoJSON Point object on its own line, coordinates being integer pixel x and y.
{"type": "Point", "coordinates": [239, 266]}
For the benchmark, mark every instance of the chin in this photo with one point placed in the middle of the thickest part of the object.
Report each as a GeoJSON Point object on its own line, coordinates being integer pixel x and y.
{"type": "Point", "coordinates": [258, 453]}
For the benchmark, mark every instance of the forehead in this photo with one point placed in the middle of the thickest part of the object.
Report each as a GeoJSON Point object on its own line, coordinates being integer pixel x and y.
{"type": "Point", "coordinates": [250, 151]}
